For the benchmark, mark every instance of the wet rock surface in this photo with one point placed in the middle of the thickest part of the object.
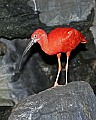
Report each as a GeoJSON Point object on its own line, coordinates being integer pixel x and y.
{"type": "Point", "coordinates": [17, 84]}
{"type": "Point", "coordinates": [5, 112]}
{"type": "Point", "coordinates": [93, 28]}
{"type": "Point", "coordinates": [17, 19]}
{"type": "Point", "coordinates": [74, 101]}
{"type": "Point", "coordinates": [58, 12]}
{"type": "Point", "coordinates": [3, 49]}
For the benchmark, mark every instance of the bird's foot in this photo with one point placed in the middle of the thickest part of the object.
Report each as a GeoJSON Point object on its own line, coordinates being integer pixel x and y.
{"type": "Point", "coordinates": [66, 83]}
{"type": "Point", "coordinates": [55, 85]}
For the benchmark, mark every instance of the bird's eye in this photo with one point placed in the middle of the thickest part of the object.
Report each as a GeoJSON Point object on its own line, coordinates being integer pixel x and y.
{"type": "Point", "coordinates": [35, 36]}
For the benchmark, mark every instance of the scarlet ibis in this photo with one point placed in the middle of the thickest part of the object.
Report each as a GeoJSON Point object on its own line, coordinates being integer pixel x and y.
{"type": "Point", "coordinates": [57, 41]}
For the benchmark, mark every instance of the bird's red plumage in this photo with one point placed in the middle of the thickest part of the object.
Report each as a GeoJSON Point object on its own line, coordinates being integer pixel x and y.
{"type": "Point", "coordinates": [58, 40]}
{"type": "Point", "coordinates": [64, 39]}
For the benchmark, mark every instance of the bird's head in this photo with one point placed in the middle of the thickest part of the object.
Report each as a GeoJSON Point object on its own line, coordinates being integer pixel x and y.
{"type": "Point", "coordinates": [35, 37]}
{"type": "Point", "coordinates": [38, 35]}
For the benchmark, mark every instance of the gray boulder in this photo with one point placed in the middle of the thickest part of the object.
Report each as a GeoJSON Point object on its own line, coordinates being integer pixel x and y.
{"type": "Point", "coordinates": [74, 101]}
{"type": "Point", "coordinates": [58, 12]}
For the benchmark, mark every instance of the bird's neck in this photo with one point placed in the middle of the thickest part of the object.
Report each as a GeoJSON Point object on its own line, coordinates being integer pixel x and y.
{"type": "Point", "coordinates": [44, 44]}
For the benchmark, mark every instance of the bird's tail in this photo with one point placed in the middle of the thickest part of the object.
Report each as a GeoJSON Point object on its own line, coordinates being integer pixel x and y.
{"type": "Point", "coordinates": [84, 41]}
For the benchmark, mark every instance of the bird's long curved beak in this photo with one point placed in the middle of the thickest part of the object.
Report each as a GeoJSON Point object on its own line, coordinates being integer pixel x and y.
{"type": "Point", "coordinates": [26, 50]}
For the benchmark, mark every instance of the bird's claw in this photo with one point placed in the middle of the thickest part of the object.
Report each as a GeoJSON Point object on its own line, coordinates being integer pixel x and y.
{"type": "Point", "coordinates": [55, 85]}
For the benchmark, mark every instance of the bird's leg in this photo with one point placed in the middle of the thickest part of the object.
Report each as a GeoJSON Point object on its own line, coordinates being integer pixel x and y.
{"type": "Point", "coordinates": [68, 55]}
{"type": "Point", "coordinates": [59, 69]}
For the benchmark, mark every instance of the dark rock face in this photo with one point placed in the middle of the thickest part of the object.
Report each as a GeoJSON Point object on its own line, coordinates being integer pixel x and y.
{"type": "Point", "coordinates": [3, 49]}
{"type": "Point", "coordinates": [17, 19]}
{"type": "Point", "coordinates": [75, 101]}
{"type": "Point", "coordinates": [93, 28]}
{"type": "Point", "coordinates": [5, 112]}
{"type": "Point", "coordinates": [17, 84]}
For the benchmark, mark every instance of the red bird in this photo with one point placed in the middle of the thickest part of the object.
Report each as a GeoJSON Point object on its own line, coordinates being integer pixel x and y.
{"type": "Point", "coordinates": [57, 41]}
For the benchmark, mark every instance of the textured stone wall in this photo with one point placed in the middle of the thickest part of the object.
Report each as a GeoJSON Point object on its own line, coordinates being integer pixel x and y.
{"type": "Point", "coordinates": [58, 12]}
